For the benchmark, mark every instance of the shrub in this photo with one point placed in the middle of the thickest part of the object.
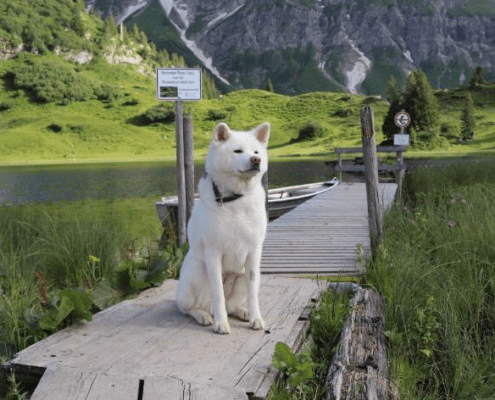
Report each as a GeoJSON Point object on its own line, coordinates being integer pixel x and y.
{"type": "Point", "coordinates": [157, 114]}
{"type": "Point", "coordinates": [108, 93]}
{"type": "Point", "coordinates": [343, 112]}
{"type": "Point", "coordinates": [6, 105]}
{"type": "Point", "coordinates": [310, 131]}
{"type": "Point", "coordinates": [131, 102]}
{"type": "Point", "coordinates": [56, 128]}
{"type": "Point", "coordinates": [450, 129]}
{"type": "Point", "coordinates": [49, 79]}
{"type": "Point", "coordinates": [215, 115]}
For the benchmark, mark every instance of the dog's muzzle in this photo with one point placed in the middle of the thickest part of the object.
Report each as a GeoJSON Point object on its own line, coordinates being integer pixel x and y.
{"type": "Point", "coordinates": [255, 163]}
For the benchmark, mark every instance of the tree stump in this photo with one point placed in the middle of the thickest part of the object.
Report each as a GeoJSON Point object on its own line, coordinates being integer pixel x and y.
{"type": "Point", "coordinates": [359, 369]}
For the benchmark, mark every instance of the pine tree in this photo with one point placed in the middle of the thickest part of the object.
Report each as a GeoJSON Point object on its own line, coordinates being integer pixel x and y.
{"type": "Point", "coordinates": [420, 102]}
{"type": "Point", "coordinates": [467, 119]}
{"type": "Point", "coordinates": [477, 78]}
{"type": "Point", "coordinates": [269, 85]}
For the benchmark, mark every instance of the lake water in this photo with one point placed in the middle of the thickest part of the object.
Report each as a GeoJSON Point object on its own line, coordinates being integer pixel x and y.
{"type": "Point", "coordinates": [125, 180]}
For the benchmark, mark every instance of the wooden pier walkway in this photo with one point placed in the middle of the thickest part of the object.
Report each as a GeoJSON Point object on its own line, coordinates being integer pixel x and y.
{"type": "Point", "coordinates": [326, 235]}
{"type": "Point", "coordinates": [145, 349]}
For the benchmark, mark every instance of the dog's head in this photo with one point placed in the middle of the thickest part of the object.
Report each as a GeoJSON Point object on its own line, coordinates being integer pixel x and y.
{"type": "Point", "coordinates": [243, 154]}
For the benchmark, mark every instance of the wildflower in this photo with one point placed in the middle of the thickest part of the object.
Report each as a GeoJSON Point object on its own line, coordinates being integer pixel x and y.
{"type": "Point", "coordinates": [451, 201]}
{"type": "Point", "coordinates": [451, 223]}
{"type": "Point", "coordinates": [463, 201]}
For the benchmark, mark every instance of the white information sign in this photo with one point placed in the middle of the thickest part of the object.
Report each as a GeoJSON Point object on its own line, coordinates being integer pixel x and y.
{"type": "Point", "coordinates": [401, 140]}
{"type": "Point", "coordinates": [178, 84]}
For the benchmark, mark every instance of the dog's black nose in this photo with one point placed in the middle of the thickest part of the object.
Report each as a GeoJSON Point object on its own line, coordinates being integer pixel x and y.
{"type": "Point", "coordinates": [255, 160]}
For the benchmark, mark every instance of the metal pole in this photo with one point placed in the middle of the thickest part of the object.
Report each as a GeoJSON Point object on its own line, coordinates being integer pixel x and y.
{"type": "Point", "coordinates": [181, 184]}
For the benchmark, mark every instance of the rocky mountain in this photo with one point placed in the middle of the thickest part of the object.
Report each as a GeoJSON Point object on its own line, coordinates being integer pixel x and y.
{"type": "Point", "coordinates": [304, 45]}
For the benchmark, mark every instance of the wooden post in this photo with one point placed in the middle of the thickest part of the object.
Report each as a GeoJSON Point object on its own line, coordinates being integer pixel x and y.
{"type": "Point", "coordinates": [371, 175]}
{"type": "Point", "coordinates": [181, 181]}
{"type": "Point", "coordinates": [339, 164]}
{"type": "Point", "coordinates": [189, 164]}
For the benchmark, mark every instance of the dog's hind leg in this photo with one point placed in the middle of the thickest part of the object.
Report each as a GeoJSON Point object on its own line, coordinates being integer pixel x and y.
{"type": "Point", "coordinates": [235, 287]}
{"type": "Point", "coordinates": [193, 292]}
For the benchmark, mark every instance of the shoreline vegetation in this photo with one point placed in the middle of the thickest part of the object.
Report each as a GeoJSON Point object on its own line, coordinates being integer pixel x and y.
{"type": "Point", "coordinates": [416, 156]}
{"type": "Point", "coordinates": [434, 269]}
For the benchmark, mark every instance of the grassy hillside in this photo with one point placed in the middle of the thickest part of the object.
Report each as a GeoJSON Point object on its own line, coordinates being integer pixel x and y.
{"type": "Point", "coordinates": [111, 126]}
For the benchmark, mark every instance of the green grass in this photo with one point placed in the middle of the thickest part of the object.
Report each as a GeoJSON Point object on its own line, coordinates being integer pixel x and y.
{"type": "Point", "coordinates": [436, 272]}
{"type": "Point", "coordinates": [110, 130]}
{"type": "Point", "coordinates": [304, 374]}
{"type": "Point", "coordinates": [61, 261]}
{"type": "Point", "coordinates": [483, 8]}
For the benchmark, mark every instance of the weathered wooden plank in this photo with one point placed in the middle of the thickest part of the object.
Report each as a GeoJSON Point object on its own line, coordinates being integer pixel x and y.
{"type": "Point", "coordinates": [156, 339]}
{"type": "Point", "coordinates": [362, 168]}
{"type": "Point", "coordinates": [323, 234]}
{"type": "Point", "coordinates": [172, 388]}
{"type": "Point", "coordinates": [379, 149]}
{"type": "Point", "coordinates": [73, 384]}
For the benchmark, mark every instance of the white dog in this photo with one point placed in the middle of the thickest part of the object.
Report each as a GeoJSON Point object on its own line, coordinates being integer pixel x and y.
{"type": "Point", "coordinates": [226, 232]}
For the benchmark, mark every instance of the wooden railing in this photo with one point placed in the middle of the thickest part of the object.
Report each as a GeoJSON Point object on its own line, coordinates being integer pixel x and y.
{"type": "Point", "coordinates": [399, 167]}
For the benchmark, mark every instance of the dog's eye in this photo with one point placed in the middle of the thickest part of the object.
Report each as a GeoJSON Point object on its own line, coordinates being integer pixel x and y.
{"type": "Point", "coordinates": [256, 152]}
{"type": "Point", "coordinates": [238, 151]}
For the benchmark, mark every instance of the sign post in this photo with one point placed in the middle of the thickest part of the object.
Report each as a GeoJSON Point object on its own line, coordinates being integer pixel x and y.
{"type": "Point", "coordinates": [180, 84]}
{"type": "Point", "coordinates": [402, 120]}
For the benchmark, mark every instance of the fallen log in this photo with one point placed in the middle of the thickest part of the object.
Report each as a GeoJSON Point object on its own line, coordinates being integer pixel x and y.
{"type": "Point", "coordinates": [359, 369]}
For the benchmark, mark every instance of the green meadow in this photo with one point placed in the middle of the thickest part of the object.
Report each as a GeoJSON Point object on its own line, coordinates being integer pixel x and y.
{"type": "Point", "coordinates": [125, 122]}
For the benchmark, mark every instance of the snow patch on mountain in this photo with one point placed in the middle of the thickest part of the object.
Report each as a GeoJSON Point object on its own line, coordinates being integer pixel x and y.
{"type": "Point", "coordinates": [223, 16]}
{"type": "Point", "coordinates": [358, 73]}
{"type": "Point", "coordinates": [132, 9]}
{"type": "Point", "coordinates": [181, 9]}
{"type": "Point", "coordinates": [408, 55]}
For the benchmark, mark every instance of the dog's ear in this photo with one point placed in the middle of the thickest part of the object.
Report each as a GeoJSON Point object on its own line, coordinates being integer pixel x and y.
{"type": "Point", "coordinates": [262, 133]}
{"type": "Point", "coordinates": [221, 132]}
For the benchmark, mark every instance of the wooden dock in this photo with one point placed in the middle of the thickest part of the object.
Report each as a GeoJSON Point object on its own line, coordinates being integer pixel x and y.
{"type": "Point", "coordinates": [145, 349]}
{"type": "Point", "coordinates": [326, 235]}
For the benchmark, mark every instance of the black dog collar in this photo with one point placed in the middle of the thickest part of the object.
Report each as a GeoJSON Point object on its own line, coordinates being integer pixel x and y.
{"type": "Point", "coordinates": [220, 199]}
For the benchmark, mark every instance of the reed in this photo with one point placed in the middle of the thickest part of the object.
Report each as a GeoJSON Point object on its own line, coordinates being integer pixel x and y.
{"type": "Point", "coordinates": [436, 272]}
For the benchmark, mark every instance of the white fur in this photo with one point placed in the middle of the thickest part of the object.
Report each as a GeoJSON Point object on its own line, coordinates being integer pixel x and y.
{"type": "Point", "coordinates": [222, 268]}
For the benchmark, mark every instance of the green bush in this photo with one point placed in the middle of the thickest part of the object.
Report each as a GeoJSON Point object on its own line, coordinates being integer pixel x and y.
{"type": "Point", "coordinates": [157, 114]}
{"type": "Point", "coordinates": [55, 128]}
{"type": "Point", "coordinates": [215, 115]}
{"type": "Point", "coordinates": [310, 131]}
{"type": "Point", "coordinates": [49, 79]}
{"type": "Point", "coordinates": [6, 105]}
{"type": "Point", "coordinates": [450, 129]}
{"type": "Point", "coordinates": [108, 93]}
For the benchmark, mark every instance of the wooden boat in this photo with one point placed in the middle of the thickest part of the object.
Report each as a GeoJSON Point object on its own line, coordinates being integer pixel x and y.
{"type": "Point", "coordinates": [280, 200]}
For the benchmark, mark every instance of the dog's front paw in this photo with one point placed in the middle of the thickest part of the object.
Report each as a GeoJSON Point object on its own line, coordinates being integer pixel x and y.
{"type": "Point", "coordinates": [257, 323]}
{"type": "Point", "coordinates": [222, 327]}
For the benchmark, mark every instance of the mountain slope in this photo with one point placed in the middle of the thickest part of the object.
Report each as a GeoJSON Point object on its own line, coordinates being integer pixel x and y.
{"type": "Point", "coordinates": [354, 44]}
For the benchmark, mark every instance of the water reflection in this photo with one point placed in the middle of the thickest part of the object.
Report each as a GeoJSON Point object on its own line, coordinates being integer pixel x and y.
{"type": "Point", "coordinates": [126, 180]}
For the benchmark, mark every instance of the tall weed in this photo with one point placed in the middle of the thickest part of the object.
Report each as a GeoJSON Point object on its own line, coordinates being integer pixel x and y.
{"type": "Point", "coordinates": [436, 271]}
